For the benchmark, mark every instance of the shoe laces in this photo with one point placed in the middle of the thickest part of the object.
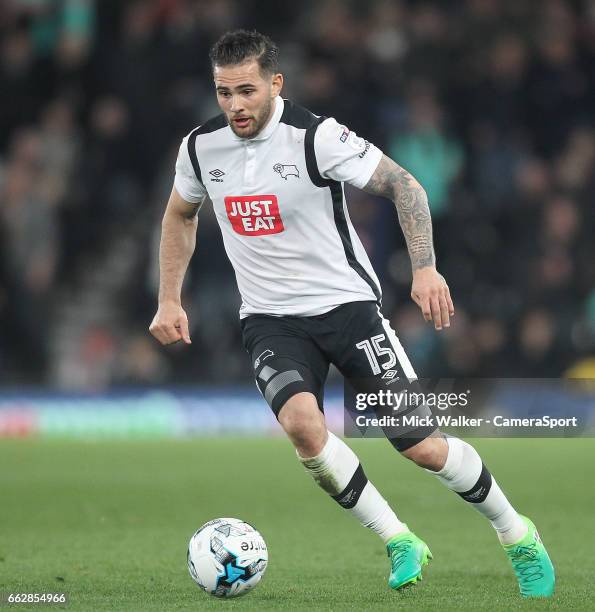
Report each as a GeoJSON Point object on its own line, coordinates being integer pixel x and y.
{"type": "Point", "coordinates": [526, 563]}
{"type": "Point", "coordinates": [398, 551]}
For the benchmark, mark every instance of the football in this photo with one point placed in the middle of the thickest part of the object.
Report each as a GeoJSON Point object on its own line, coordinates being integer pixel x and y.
{"type": "Point", "coordinates": [227, 557]}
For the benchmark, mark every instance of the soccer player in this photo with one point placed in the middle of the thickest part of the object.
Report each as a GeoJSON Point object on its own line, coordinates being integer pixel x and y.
{"type": "Point", "coordinates": [274, 173]}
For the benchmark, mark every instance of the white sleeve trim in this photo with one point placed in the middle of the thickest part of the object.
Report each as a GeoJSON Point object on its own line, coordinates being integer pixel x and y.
{"type": "Point", "coordinates": [185, 181]}
{"type": "Point", "coordinates": [343, 156]}
{"type": "Point", "coordinates": [375, 156]}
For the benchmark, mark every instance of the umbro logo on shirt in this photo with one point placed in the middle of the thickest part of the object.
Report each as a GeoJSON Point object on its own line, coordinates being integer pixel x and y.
{"type": "Point", "coordinates": [366, 149]}
{"type": "Point", "coordinates": [217, 174]}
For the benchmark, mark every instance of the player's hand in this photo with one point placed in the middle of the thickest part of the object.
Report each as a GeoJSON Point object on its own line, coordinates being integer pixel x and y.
{"type": "Point", "coordinates": [430, 292]}
{"type": "Point", "coordinates": [170, 324]}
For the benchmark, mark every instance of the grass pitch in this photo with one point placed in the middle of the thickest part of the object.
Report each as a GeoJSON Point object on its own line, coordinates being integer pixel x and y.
{"type": "Point", "coordinates": [108, 523]}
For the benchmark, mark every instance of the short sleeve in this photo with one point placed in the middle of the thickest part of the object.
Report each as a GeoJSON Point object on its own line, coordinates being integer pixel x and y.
{"type": "Point", "coordinates": [185, 182]}
{"type": "Point", "coordinates": [343, 156]}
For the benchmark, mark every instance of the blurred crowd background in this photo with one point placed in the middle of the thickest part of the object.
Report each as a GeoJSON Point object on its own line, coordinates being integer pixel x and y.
{"type": "Point", "coordinates": [489, 103]}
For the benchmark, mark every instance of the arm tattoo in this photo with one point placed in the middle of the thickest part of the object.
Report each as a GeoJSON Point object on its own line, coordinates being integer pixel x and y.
{"type": "Point", "coordinates": [395, 183]}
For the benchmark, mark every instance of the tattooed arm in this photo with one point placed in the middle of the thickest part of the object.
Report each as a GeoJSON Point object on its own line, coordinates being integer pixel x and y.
{"type": "Point", "coordinates": [429, 290]}
{"type": "Point", "coordinates": [395, 183]}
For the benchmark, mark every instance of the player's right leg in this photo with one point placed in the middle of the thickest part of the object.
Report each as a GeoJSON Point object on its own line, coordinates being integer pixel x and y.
{"type": "Point", "coordinates": [290, 372]}
{"type": "Point", "coordinates": [335, 467]}
{"type": "Point", "coordinates": [337, 470]}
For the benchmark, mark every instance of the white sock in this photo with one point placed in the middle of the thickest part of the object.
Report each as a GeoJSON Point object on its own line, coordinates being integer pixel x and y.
{"type": "Point", "coordinates": [338, 471]}
{"type": "Point", "coordinates": [465, 474]}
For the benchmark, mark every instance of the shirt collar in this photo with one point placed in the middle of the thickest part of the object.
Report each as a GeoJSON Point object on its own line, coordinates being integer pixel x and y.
{"type": "Point", "coordinates": [272, 124]}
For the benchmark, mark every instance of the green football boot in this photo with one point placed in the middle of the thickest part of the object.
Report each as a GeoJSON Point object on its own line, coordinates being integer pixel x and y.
{"type": "Point", "coordinates": [531, 564]}
{"type": "Point", "coordinates": [407, 556]}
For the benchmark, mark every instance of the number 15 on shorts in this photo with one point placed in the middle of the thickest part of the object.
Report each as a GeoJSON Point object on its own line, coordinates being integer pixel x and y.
{"type": "Point", "coordinates": [375, 351]}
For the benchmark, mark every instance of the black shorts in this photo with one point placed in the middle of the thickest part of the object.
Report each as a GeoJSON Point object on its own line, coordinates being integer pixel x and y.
{"type": "Point", "coordinates": [292, 354]}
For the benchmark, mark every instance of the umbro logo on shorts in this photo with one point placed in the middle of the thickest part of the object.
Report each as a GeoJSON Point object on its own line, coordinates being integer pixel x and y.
{"type": "Point", "coordinates": [390, 377]}
{"type": "Point", "coordinates": [255, 215]}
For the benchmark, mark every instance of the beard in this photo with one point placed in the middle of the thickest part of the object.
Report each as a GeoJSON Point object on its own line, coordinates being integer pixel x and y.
{"type": "Point", "coordinates": [258, 122]}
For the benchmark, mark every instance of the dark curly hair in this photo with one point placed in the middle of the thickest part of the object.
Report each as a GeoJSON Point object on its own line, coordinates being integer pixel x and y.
{"type": "Point", "coordinates": [238, 46]}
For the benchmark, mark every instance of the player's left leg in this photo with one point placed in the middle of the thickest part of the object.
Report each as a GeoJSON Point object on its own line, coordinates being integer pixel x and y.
{"type": "Point", "coordinates": [372, 358]}
{"type": "Point", "coordinates": [459, 467]}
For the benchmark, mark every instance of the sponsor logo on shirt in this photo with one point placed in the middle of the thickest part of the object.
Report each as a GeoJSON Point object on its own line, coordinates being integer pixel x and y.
{"type": "Point", "coordinates": [256, 215]}
{"type": "Point", "coordinates": [287, 170]}
{"type": "Point", "coordinates": [345, 135]}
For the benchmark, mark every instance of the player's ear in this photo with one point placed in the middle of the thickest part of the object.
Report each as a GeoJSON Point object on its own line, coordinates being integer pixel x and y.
{"type": "Point", "coordinates": [276, 84]}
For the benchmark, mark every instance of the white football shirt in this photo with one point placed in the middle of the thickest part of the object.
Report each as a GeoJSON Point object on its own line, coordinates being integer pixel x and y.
{"type": "Point", "coordinates": [280, 204]}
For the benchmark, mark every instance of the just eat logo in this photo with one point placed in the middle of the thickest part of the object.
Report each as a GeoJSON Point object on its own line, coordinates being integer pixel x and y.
{"type": "Point", "coordinates": [256, 215]}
